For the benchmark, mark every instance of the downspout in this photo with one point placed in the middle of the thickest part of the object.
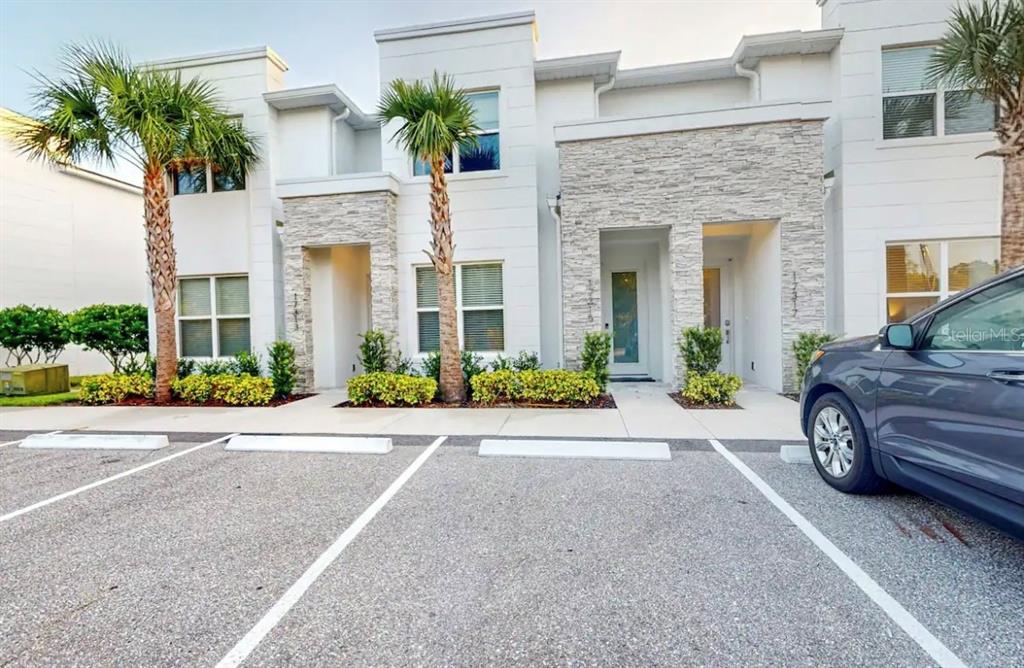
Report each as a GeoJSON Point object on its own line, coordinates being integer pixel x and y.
{"type": "Point", "coordinates": [755, 81]}
{"type": "Point", "coordinates": [334, 138]}
{"type": "Point", "coordinates": [553, 206]}
{"type": "Point", "coordinates": [597, 95]}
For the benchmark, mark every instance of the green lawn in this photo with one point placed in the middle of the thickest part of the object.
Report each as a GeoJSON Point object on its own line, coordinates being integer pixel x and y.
{"type": "Point", "coordinates": [39, 399]}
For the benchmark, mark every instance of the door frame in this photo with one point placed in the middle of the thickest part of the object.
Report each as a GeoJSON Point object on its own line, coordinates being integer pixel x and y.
{"type": "Point", "coordinates": [641, 366]}
{"type": "Point", "coordinates": [727, 312]}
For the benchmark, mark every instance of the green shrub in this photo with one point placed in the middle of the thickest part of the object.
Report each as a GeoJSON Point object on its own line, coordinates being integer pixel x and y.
{"type": "Point", "coordinates": [186, 367]}
{"type": "Point", "coordinates": [804, 346]}
{"type": "Point", "coordinates": [524, 361]}
{"type": "Point", "coordinates": [217, 368]}
{"type": "Point", "coordinates": [111, 388]}
{"type": "Point", "coordinates": [390, 389]}
{"type": "Point", "coordinates": [248, 364]}
{"type": "Point", "coordinates": [375, 353]}
{"type": "Point", "coordinates": [33, 334]}
{"type": "Point", "coordinates": [597, 347]}
{"type": "Point", "coordinates": [282, 367]}
{"type": "Point", "coordinates": [711, 388]}
{"type": "Point", "coordinates": [432, 366]}
{"type": "Point", "coordinates": [701, 348]}
{"type": "Point", "coordinates": [119, 332]}
{"type": "Point", "coordinates": [195, 389]}
{"type": "Point", "coordinates": [242, 390]}
{"type": "Point", "coordinates": [472, 365]}
{"type": "Point", "coordinates": [557, 386]}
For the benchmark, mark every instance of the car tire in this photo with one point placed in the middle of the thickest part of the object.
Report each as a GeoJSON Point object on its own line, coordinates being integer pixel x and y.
{"type": "Point", "coordinates": [839, 446]}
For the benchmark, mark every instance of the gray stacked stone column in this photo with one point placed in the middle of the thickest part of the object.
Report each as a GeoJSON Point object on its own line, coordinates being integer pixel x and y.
{"type": "Point", "coordinates": [331, 220]}
{"type": "Point", "coordinates": [682, 181]}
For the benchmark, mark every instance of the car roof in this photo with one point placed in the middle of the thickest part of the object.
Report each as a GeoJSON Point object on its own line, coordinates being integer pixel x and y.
{"type": "Point", "coordinates": [998, 278]}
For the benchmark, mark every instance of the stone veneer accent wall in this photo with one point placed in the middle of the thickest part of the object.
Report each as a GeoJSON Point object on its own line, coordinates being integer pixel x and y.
{"type": "Point", "coordinates": [332, 220]}
{"type": "Point", "coordinates": [682, 180]}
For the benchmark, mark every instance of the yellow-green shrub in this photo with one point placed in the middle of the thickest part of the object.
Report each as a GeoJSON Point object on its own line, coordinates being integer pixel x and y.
{"type": "Point", "coordinates": [390, 389]}
{"type": "Point", "coordinates": [111, 388]}
{"type": "Point", "coordinates": [195, 389]}
{"type": "Point", "coordinates": [711, 388]}
{"type": "Point", "coordinates": [557, 386]}
{"type": "Point", "coordinates": [243, 390]}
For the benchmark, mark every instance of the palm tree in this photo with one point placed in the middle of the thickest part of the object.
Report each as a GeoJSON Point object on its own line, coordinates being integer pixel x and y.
{"type": "Point", "coordinates": [983, 52]}
{"type": "Point", "coordinates": [437, 118]}
{"type": "Point", "coordinates": [103, 108]}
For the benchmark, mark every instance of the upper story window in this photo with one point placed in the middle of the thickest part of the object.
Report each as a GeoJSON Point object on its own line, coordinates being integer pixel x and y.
{"type": "Point", "coordinates": [920, 273]}
{"type": "Point", "coordinates": [197, 180]}
{"type": "Point", "coordinates": [486, 155]}
{"type": "Point", "coordinates": [913, 107]}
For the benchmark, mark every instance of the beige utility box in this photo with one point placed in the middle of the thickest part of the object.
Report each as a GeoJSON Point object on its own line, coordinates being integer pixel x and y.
{"type": "Point", "coordinates": [30, 379]}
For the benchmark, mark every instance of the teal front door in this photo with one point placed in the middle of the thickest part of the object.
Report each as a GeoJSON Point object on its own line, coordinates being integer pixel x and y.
{"type": "Point", "coordinates": [624, 320]}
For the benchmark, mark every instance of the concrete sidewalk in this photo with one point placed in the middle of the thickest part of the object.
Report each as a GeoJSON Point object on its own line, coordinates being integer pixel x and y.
{"type": "Point", "coordinates": [644, 411]}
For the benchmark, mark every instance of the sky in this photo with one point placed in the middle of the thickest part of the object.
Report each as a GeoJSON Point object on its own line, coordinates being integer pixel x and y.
{"type": "Point", "coordinates": [332, 42]}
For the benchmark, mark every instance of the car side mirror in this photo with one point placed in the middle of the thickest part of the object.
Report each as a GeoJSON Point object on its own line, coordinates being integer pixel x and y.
{"type": "Point", "coordinates": [899, 336]}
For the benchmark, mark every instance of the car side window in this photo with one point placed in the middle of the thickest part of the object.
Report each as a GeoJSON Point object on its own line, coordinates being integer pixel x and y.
{"type": "Point", "coordinates": [991, 320]}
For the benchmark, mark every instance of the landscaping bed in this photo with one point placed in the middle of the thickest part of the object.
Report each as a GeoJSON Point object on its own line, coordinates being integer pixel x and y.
{"type": "Point", "coordinates": [686, 403]}
{"type": "Point", "coordinates": [603, 401]}
{"type": "Point", "coordinates": [211, 403]}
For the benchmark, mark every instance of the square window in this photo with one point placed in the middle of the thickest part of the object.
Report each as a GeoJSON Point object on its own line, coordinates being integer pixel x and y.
{"type": "Point", "coordinates": [422, 168]}
{"type": "Point", "coordinates": [232, 295]}
{"type": "Point", "coordinates": [485, 156]}
{"type": "Point", "coordinates": [189, 181]}
{"type": "Point", "coordinates": [972, 261]}
{"type": "Point", "coordinates": [966, 112]}
{"type": "Point", "coordinates": [429, 331]}
{"type": "Point", "coordinates": [912, 267]}
{"type": "Point", "coordinates": [908, 116]}
{"type": "Point", "coordinates": [226, 180]}
{"type": "Point", "coordinates": [196, 338]}
{"type": "Point", "coordinates": [233, 336]}
{"type": "Point", "coordinates": [485, 109]}
{"type": "Point", "coordinates": [194, 296]}
{"type": "Point", "coordinates": [483, 330]}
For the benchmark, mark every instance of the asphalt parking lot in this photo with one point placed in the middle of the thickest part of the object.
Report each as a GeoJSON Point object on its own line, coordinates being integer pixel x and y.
{"type": "Point", "coordinates": [482, 561]}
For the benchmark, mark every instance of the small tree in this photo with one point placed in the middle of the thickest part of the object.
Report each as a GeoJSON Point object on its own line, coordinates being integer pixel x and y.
{"type": "Point", "coordinates": [119, 332]}
{"type": "Point", "coordinates": [983, 52]}
{"type": "Point", "coordinates": [597, 347]}
{"type": "Point", "coordinates": [281, 365]}
{"type": "Point", "coordinates": [32, 334]}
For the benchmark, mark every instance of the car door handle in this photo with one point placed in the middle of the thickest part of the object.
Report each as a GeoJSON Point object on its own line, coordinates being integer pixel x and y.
{"type": "Point", "coordinates": [1007, 375]}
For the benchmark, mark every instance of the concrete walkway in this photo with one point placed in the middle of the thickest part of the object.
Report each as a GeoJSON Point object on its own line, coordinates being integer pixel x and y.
{"type": "Point", "coordinates": [644, 411]}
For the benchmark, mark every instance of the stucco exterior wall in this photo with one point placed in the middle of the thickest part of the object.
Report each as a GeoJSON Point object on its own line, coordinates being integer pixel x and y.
{"type": "Point", "coordinates": [683, 180]}
{"type": "Point", "coordinates": [316, 222]}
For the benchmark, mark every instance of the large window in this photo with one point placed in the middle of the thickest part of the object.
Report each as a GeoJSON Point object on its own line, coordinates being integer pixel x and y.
{"type": "Point", "coordinates": [914, 107]}
{"type": "Point", "coordinates": [480, 302]}
{"type": "Point", "coordinates": [213, 316]}
{"type": "Point", "coordinates": [486, 155]}
{"type": "Point", "coordinates": [921, 273]}
{"type": "Point", "coordinates": [196, 180]}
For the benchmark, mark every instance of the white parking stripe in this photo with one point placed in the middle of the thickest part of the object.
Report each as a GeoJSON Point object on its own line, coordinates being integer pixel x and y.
{"type": "Point", "coordinates": [942, 655]}
{"type": "Point", "coordinates": [248, 643]}
{"type": "Point", "coordinates": [22, 439]}
{"type": "Point", "coordinates": [122, 474]}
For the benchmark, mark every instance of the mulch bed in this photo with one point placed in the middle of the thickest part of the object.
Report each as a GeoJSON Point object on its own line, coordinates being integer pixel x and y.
{"type": "Point", "coordinates": [177, 403]}
{"type": "Point", "coordinates": [603, 401]}
{"type": "Point", "coordinates": [685, 403]}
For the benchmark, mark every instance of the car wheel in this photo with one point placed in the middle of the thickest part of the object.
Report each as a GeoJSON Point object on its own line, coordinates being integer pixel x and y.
{"type": "Point", "coordinates": [839, 446]}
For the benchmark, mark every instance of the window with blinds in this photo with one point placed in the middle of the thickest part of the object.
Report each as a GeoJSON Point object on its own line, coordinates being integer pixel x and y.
{"type": "Point", "coordinates": [479, 302]}
{"type": "Point", "coordinates": [921, 273]}
{"type": "Point", "coordinates": [213, 316]}
{"type": "Point", "coordinates": [913, 106]}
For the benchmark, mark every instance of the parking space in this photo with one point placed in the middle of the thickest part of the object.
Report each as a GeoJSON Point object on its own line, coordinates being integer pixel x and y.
{"type": "Point", "coordinates": [482, 561]}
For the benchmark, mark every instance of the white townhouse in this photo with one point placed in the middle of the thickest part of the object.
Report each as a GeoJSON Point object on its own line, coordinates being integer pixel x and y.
{"type": "Point", "coordinates": [810, 181]}
{"type": "Point", "coordinates": [69, 237]}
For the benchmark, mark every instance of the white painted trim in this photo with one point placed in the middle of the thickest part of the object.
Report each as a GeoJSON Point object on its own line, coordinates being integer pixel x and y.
{"type": "Point", "coordinates": [340, 184]}
{"type": "Point", "coordinates": [216, 57]}
{"type": "Point", "coordinates": [122, 474]}
{"type": "Point", "coordinates": [276, 613]}
{"type": "Point", "coordinates": [561, 449]}
{"type": "Point", "coordinates": [941, 654]}
{"type": "Point", "coordinates": [95, 442]}
{"type": "Point", "coordinates": [325, 444]}
{"type": "Point", "coordinates": [774, 112]}
{"type": "Point", "coordinates": [456, 26]}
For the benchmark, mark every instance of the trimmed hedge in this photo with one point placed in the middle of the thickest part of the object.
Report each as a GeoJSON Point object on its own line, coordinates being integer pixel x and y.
{"type": "Point", "coordinates": [390, 389]}
{"type": "Point", "coordinates": [555, 386]}
{"type": "Point", "coordinates": [712, 388]}
{"type": "Point", "coordinates": [233, 390]}
{"type": "Point", "coordinates": [111, 388]}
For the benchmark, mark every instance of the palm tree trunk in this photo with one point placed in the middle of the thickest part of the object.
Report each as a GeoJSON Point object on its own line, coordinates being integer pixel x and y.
{"type": "Point", "coordinates": [442, 250]}
{"type": "Point", "coordinates": [1012, 244]}
{"type": "Point", "coordinates": [162, 276]}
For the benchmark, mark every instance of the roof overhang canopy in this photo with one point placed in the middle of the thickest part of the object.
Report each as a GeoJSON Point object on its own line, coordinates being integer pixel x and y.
{"type": "Point", "coordinates": [326, 95]}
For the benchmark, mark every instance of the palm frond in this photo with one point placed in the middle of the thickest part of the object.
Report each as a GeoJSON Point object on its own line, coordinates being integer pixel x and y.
{"type": "Point", "coordinates": [436, 116]}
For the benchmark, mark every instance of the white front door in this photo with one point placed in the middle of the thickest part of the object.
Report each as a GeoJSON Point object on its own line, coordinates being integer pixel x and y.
{"type": "Point", "coordinates": [718, 310]}
{"type": "Point", "coordinates": [625, 318]}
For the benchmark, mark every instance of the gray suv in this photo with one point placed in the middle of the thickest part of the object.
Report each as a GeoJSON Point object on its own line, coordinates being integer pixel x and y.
{"type": "Point", "coordinates": [935, 404]}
